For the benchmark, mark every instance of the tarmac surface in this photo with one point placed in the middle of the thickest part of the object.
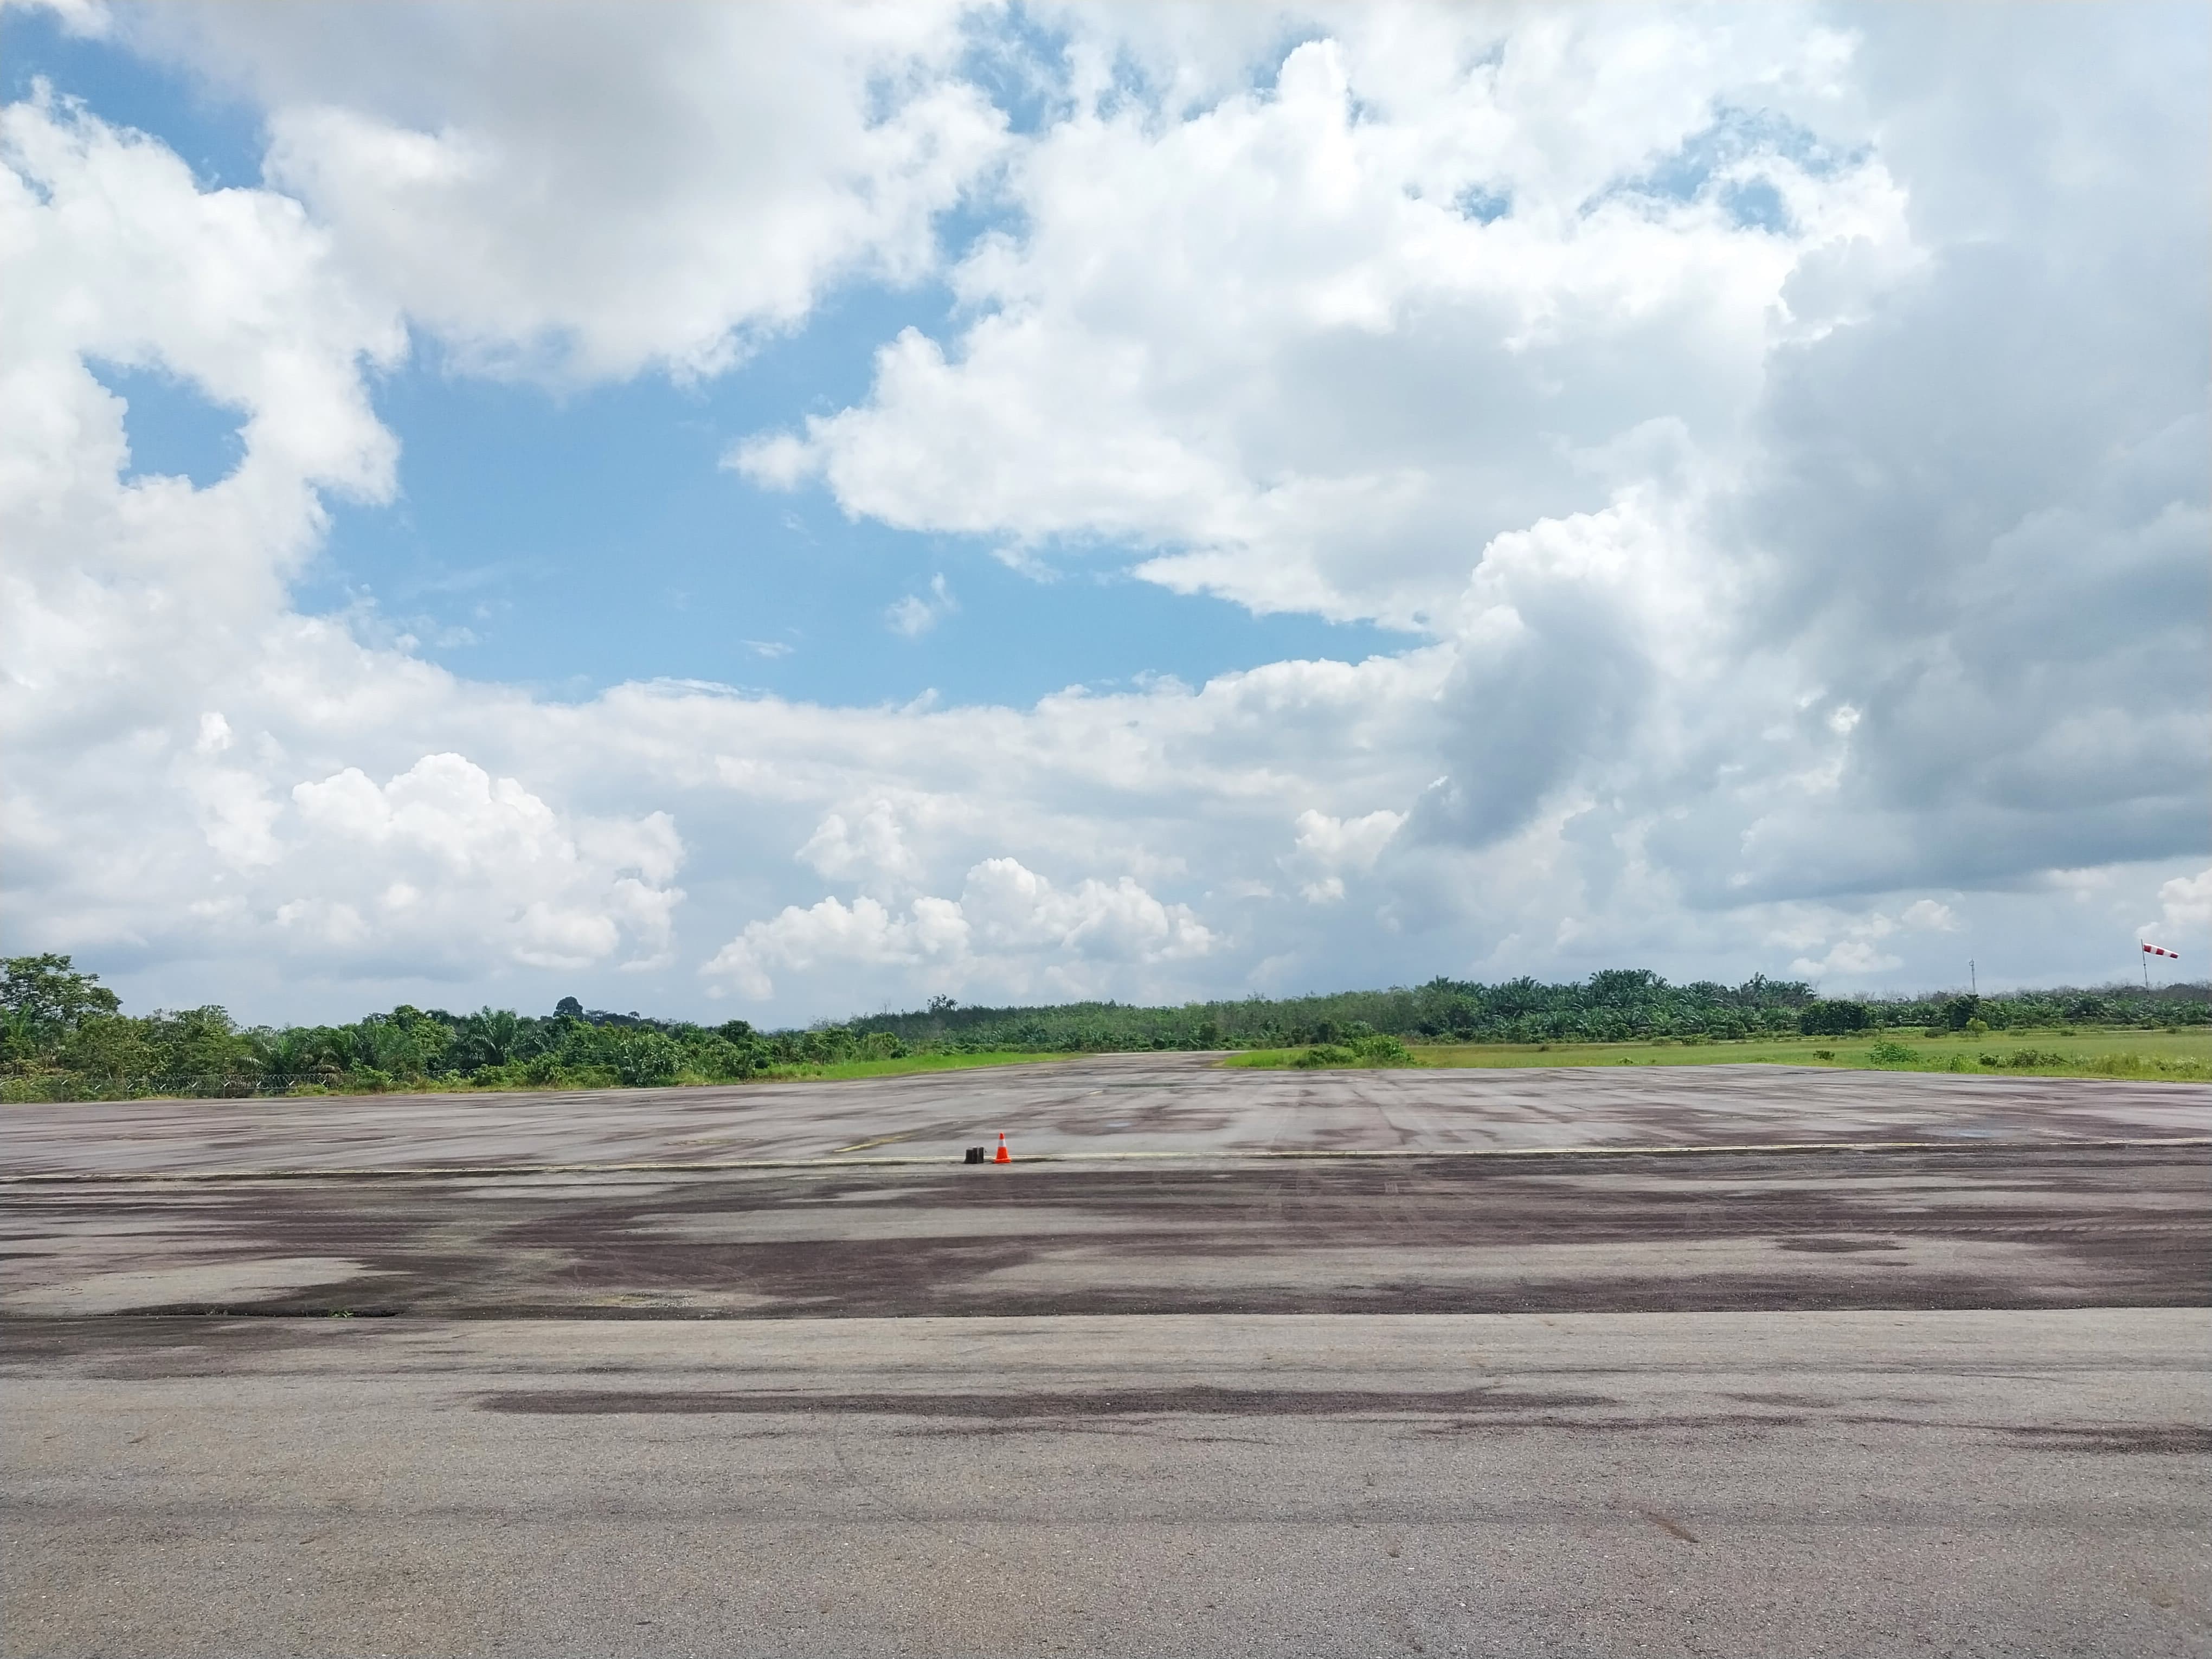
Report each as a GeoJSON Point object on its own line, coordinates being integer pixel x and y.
{"type": "Point", "coordinates": [1522, 1362]}
{"type": "Point", "coordinates": [1108, 1106]}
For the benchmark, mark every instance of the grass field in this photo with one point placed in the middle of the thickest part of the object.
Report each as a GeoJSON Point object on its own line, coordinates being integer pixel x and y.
{"type": "Point", "coordinates": [20, 1090]}
{"type": "Point", "coordinates": [850, 1068]}
{"type": "Point", "coordinates": [2176, 1055]}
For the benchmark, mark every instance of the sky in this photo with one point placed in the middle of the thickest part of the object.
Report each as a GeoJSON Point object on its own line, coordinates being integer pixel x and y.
{"type": "Point", "coordinates": [780, 512]}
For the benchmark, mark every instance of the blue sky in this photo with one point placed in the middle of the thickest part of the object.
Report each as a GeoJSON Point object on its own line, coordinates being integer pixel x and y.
{"type": "Point", "coordinates": [572, 538]}
{"type": "Point", "coordinates": [790, 511]}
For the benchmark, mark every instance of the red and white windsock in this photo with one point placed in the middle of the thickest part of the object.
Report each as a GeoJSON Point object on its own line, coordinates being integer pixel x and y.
{"type": "Point", "coordinates": [2160, 950]}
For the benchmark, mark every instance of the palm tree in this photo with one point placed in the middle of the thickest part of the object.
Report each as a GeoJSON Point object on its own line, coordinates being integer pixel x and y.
{"type": "Point", "coordinates": [490, 1036]}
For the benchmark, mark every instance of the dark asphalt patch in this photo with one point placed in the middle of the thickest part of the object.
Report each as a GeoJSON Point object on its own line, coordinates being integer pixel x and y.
{"type": "Point", "coordinates": [2188, 1439]}
{"type": "Point", "coordinates": [1191, 1401]}
{"type": "Point", "coordinates": [2051, 1227]}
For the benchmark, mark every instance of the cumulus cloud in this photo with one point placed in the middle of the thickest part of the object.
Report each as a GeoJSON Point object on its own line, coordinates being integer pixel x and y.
{"type": "Point", "coordinates": [1334, 341]}
{"type": "Point", "coordinates": [451, 852]}
{"type": "Point", "coordinates": [1929, 914]}
{"type": "Point", "coordinates": [608, 189]}
{"type": "Point", "coordinates": [1327, 847]}
{"type": "Point", "coordinates": [1787, 449]}
{"type": "Point", "coordinates": [1858, 956]}
{"type": "Point", "coordinates": [2186, 909]}
{"type": "Point", "coordinates": [871, 848]}
{"type": "Point", "coordinates": [1276, 341]}
{"type": "Point", "coordinates": [1010, 930]}
{"type": "Point", "coordinates": [131, 604]}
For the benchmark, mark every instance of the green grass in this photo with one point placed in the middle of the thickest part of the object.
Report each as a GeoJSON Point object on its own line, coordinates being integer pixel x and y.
{"type": "Point", "coordinates": [2178, 1056]}
{"type": "Point", "coordinates": [851, 1068]}
{"type": "Point", "coordinates": [801, 1072]}
{"type": "Point", "coordinates": [57, 1086]}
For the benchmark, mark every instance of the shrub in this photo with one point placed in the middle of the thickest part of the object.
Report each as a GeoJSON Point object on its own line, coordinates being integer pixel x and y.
{"type": "Point", "coordinates": [1832, 1019]}
{"type": "Point", "coordinates": [2135, 1065]}
{"type": "Point", "coordinates": [1383, 1050]}
{"type": "Point", "coordinates": [1885, 1052]}
{"type": "Point", "coordinates": [648, 1058]}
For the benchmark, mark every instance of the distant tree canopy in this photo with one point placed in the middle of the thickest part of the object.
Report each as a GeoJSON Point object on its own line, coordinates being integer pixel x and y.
{"type": "Point", "coordinates": [1833, 1018]}
{"type": "Point", "coordinates": [42, 998]}
{"type": "Point", "coordinates": [63, 1034]}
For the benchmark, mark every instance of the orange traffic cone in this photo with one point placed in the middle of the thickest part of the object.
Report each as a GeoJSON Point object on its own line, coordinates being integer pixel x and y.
{"type": "Point", "coordinates": [1003, 1157]}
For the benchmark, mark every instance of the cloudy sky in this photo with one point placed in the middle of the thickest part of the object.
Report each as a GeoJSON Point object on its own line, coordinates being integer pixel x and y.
{"type": "Point", "coordinates": [740, 511]}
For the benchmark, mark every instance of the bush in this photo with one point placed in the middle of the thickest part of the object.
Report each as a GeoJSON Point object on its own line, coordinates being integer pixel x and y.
{"type": "Point", "coordinates": [1383, 1050]}
{"type": "Point", "coordinates": [1372, 1050]}
{"type": "Point", "coordinates": [542, 1071]}
{"type": "Point", "coordinates": [1832, 1019]}
{"type": "Point", "coordinates": [1885, 1052]}
{"type": "Point", "coordinates": [648, 1058]}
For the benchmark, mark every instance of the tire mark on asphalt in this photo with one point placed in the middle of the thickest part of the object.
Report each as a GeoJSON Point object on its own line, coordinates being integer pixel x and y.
{"type": "Point", "coordinates": [1624, 1150]}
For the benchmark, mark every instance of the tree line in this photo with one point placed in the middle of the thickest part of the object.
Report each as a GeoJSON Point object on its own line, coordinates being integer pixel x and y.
{"type": "Point", "coordinates": [64, 1035]}
{"type": "Point", "coordinates": [1614, 1005]}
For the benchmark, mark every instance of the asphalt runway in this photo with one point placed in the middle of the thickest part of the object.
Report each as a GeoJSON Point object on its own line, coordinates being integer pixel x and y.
{"type": "Point", "coordinates": [1108, 1106]}
{"type": "Point", "coordinates": [1247, 1363]}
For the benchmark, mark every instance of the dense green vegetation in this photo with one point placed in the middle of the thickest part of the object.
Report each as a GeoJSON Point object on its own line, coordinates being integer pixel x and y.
{"type": "Point", "coordinates": [64, 1036]}
{"type": "Point", "coordinates": [1621, 1005]}
{"type": "Point", "coordinates": [2173, 1054]}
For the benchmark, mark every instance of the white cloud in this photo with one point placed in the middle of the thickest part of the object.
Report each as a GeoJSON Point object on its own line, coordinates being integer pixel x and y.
{"type": "Point", "coordinates": [1850, 959]}
{"type": "Point", "coordinates": [1269, 341]}
{"type": "Point", "coordinates": [609, 188]}
{"type": "Point", "coordinates": [215, 734]}
{"type": "Point", "coordinates": [914, 615]}
{"type": "Point", "coordinates": [86, 19]}
{"type": "Point", "coordinates": [2185, 910]}
{"type": "Point", "coordinates": [238, 828]}
{"type": "Point", "coordinates": [1356, 842]}
{"type": "Point", "coordinates": [1769, 579]}
{"type": "Point", "coordinates": [1928, 914]}
{"type": "Point", "coordinates": [1326, 845]}
{"type": "Point", "coordinates": [1010, 929]}
{"type": "Point", "coordinates": [1252, 335]}
{"type": "Point", "coordinates": [450, 853]}
{"type": "Point", "coordinates": [1015, 908]}
{"type": "Point", "coordinates": [872, 848]}
{"type": "Point", "coordinates": [864, 933]}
